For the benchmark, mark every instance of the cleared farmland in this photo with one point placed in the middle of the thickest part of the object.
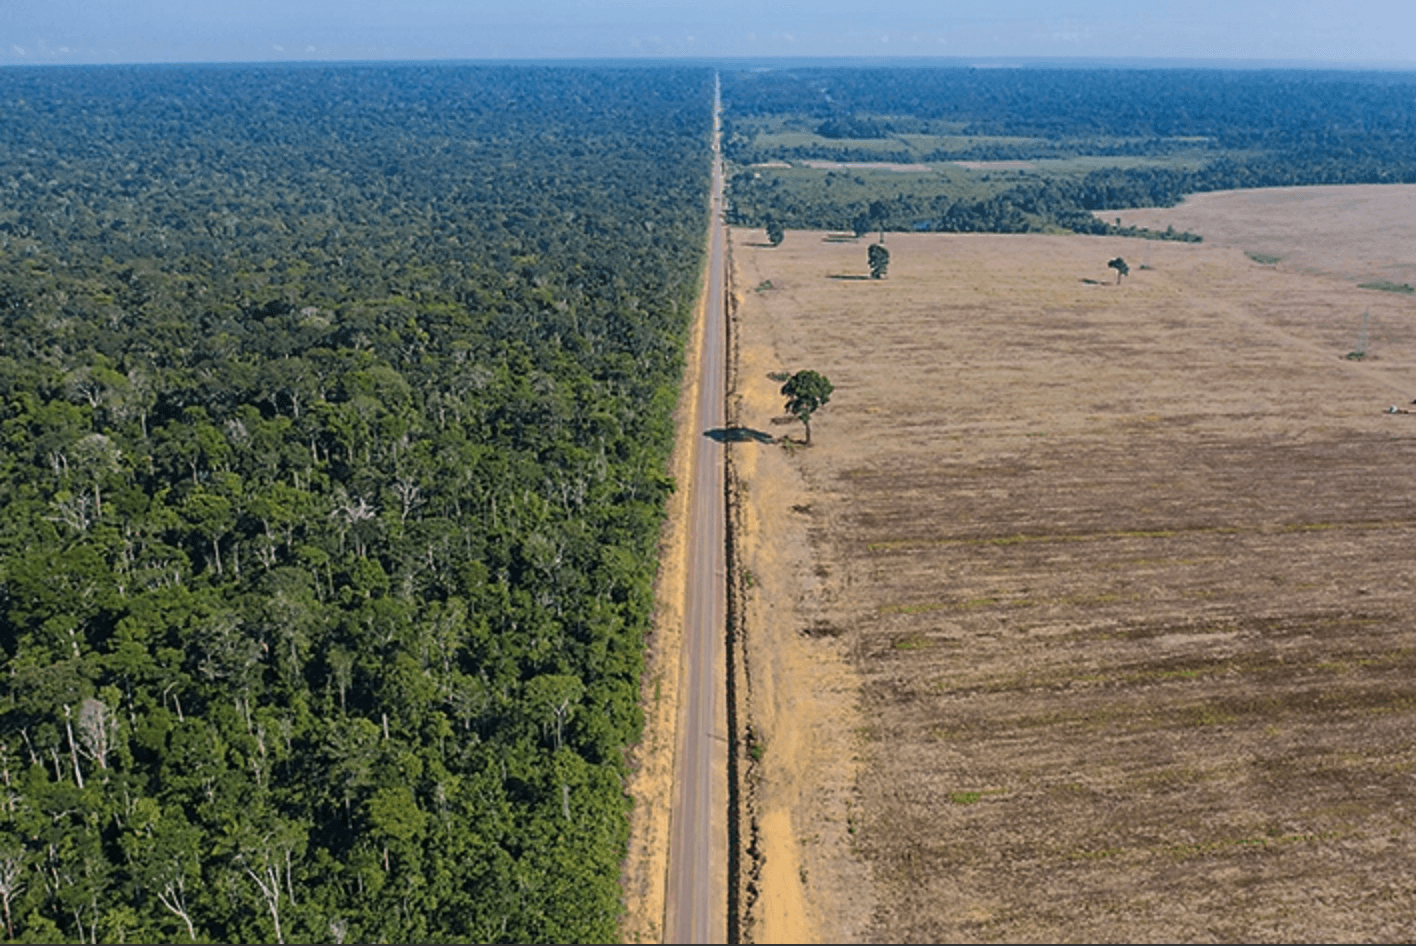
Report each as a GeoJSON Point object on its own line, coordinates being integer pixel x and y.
{"type": "Point", "coordinates": [1089, 615]}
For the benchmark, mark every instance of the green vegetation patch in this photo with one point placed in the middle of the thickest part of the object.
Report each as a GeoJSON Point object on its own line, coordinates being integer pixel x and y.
{"type": "Point", "coordinates": [1387, 286]}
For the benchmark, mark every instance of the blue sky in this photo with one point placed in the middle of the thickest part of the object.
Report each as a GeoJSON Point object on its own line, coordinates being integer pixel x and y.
{"type": "Point", "coordinates": [1357, 32]}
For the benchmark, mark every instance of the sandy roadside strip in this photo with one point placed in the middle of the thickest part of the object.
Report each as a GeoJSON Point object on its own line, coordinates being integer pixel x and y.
{"type": "Point", "coordinates": [652, 761]}
{"type": "Point", "coordinates": [804, 883]}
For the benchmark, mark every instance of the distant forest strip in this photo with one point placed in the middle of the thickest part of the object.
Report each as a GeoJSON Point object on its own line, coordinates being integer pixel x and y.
{"type": "Point", "coordinates": [336, 406]}
{"type": "Point", "coordinates": [1241, 129]}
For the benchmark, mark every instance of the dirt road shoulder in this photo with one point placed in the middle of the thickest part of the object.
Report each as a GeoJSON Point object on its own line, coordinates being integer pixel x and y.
{"type": "Point", "coordinates": [802, 881]}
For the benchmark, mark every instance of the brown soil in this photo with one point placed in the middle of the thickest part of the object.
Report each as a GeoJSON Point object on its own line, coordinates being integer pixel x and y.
{"type": "Point", "coordinates": [1359, 233]}
{"type": "Point", "coordinates": [798, 693]}
{"type": "Point", "coordinates": [1088, 616]}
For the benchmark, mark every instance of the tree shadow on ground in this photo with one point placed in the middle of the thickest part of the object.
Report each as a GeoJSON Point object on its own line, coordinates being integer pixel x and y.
{"type": "Point", "coordinates": [738, 435]}
{"type": "Point", "coordinates": [846, 276]}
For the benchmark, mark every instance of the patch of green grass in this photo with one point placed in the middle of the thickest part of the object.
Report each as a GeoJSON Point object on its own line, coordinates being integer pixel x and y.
{"type": "Point", "coordinates": [1083, 164]}
{"type": "Point", "coordinates": [782, 140]}
{"type": "Point", "coordinates": [1208, 716]}
{"type": "Point", "coordinates": [1265, 258]}
{"type": "Point", "coordinates": [1180, 674]}
{"type": "Point", "coordinates": [914, 608]}
{"type": "Point", "coordinates": [851, 186]}
{"type": "Point", "coordinates": [937, 139]}
{"type": "Point", "coordinates": [1385, 285]}
{"type": "Point", "coordinates": [1202, 848]}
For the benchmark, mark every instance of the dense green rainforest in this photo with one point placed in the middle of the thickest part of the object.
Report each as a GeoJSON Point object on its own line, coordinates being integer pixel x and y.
{"type": "Point", "coordinates": [335, 407]}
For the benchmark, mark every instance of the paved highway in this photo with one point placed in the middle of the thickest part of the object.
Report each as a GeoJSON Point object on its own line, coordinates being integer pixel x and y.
{"type": "Point", "coordinates": [697, 907]}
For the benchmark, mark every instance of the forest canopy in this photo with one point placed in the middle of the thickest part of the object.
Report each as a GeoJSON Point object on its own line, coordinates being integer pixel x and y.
{"type": "Point", "coordinates": [336, 411]}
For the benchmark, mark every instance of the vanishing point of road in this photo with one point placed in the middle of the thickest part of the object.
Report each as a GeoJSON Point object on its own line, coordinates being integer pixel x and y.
{"type": "Point", "coordinates": [696, 910]}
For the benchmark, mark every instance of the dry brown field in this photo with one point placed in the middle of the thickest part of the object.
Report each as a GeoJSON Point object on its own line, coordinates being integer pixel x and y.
{"type": "Point", "coordinates": [1360, 233]}
{"type": "Point", "coordinates": [1091, 614]}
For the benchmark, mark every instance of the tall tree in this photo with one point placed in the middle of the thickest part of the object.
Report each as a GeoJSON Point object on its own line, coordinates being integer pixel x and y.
{"type": "Point", "coordinates": [1121, 268]}
{"type": "Point", "coordinates": [807, 392]}
{"type": "Point", "coordinates": [879, 260]}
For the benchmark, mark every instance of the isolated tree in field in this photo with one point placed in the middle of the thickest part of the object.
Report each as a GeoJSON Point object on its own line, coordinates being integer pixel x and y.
{"type": "Point", "coordinates": [775, 234]}
{"type": "Point", "coordinates": [807, 392]}
{"type": "Point", "coordinates": [879, 260]}
{"type": "Point", "coordinates": [1121, 268]}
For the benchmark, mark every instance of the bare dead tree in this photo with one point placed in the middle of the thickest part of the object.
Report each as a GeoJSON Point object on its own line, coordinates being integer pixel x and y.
{"type": "Point", "coordinates": [173, 896]}
{"type": "Point", "coordinates": [266, 877]}
{"type": "Point", "coordinates": [11, 883]}
{"type": "Point", "coordinates": [408, 494]}
{"type": "Point", "coordinates": [73, 746]}
{"type": "Point", "coordinates": [98, 730]}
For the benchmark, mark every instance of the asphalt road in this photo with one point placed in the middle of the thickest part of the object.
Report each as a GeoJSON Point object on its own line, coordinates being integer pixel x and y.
{"type": "Point", "coordinates": [696, 910]}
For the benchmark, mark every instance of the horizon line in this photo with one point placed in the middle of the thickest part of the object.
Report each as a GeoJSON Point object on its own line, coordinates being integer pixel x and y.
{"type": "Point", "coordinates": [803, 61]}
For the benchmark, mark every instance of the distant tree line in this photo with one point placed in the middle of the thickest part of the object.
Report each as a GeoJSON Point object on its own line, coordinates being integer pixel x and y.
{"type": "Point", "coordinates": [1259, 128]}
{"type": "Point", "coordinates": [1237, 108]}
{"type": "Point", "coordinates": [1032, 206]}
